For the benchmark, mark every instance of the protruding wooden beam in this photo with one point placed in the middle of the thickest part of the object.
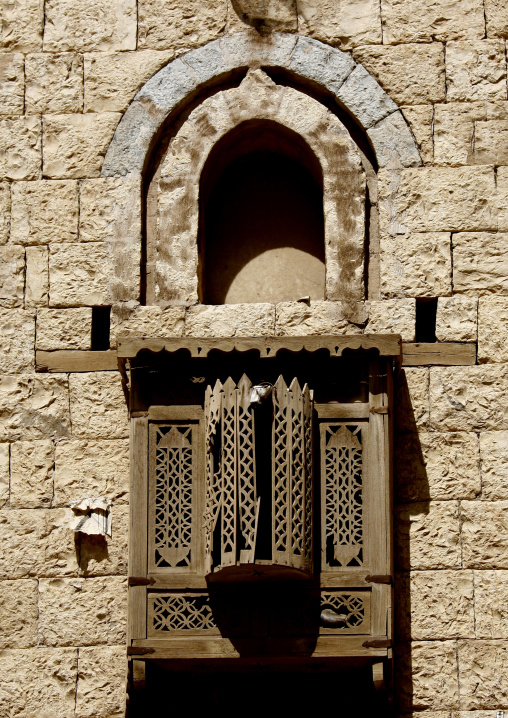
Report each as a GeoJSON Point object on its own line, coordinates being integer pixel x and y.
{"type": "Point", "coordinates": [75, 361]}
{"type": "Point", "coordinates": [438, 353]}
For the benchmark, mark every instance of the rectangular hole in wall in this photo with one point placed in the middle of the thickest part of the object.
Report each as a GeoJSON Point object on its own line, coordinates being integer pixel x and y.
{"type": "Point", "coordinates": [426, 311]}
{"type": "Point", "coordinates": [100, 328]}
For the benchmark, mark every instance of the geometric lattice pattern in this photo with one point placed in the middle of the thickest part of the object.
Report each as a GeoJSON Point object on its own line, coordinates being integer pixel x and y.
{"type": "Point", "coordinates": [349, 609]}
{"type": "Point", "coordinates": [343, 495]}
{"type": "Point", "coordinates": [173, 496]}
{"type": "Point", "coordinates": [182, 613]}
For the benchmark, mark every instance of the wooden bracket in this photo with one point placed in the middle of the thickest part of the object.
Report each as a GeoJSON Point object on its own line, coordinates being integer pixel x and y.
{"type": "Point", "coordinates": [139, 651]}
{"type": "Point", "coordinates": [377, 643]}
{"type": "Point", "coordinates": [140, 581]}
{"type": "Point", "coordinates": [387, 579]}
{"type": "Point", "coordinates": [380, 410]}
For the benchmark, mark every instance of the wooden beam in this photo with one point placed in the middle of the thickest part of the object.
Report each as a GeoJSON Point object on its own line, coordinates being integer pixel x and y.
{"type": "Point", "coordinates": [440, 353]}
{"type": "Point", "coordinates": [75, 361]}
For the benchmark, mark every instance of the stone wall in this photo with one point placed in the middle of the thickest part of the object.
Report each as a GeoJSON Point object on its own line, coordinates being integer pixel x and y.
{"type": "Point", "coordinates": [70, 240]}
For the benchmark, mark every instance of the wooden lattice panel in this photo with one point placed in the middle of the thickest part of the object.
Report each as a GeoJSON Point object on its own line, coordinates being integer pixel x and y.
{"type": "Point", "coordinates": [187, 614]}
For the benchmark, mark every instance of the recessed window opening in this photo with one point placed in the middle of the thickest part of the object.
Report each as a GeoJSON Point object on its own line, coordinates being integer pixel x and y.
{"type": "Point", "coordinates": [262, 222]}
{"type": "Point", "coordinates": [100, 328]}
{"type": "Point", "coordinates": [426, 311]}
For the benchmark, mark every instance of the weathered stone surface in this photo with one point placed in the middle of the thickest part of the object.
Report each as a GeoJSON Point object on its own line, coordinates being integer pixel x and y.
{"type": "Point", "coordinates": [494, 464]}
{"type": "Point", "coordinates": [416, 265]}
{"type": "Point", "coordinates": [480, 262]}
{"type": "Point", "coordinates": [89, 25]}
{"type": "Point", "coordinates": [5, 211]}
{"type": "Point", "coordinates": [33, 407]}
{"type": "Point", "coordinates": [91, 468]}
{"type": "Point", "coordinates": [491, 142]}
{"type": "Point", "coordinates": [146, 322]}
{"type": "Point", "coordinates": [410, 74]}
{"type": "Point", "coordinates": [100, 557]}
{"type": "Point", "coordinates": [44, 211]}
{"type": "Point", "coordinates": [491, 609]}
{"type": "Point", "coordinates": [18, 613]}
{"type": "Point", "coordinates": [110, 210]}
{"type": "Point", "coordinates": [20, 147]}
{"type": "Point", "coordinates": [476, 70]}
{"type": "Point", "coordinates": [64, 328]}
{"type": "Point", "coordinates": [437, 199]}
{"type": "Point", "coordinates": [4, 474]}
{"type": "Point", "coordinates": [421, 120]}
{"type": "Point", "coordinates": [427, 535]}
{"type": "Point", "coordinates": [112, 80]}
{"type": "Point", "coordinates": [483, 666]}
{"type": "Point", "coordinates": [101, 682]}
{"type": "Point", "coordinates": [410, 21]}
{"type": "Point", "coordinates": [230, 320]}
{"type": "Point", "coordinates": [12, 275]}
{"type": "Point", "coordinates": [32, 464]}
{"type": "Point", "coordinates": [36, 542]}
{"type": "Point", "coordinates": [321, 64]}
{"type": "Point", "coordinates": [38, 682]}
{"type": "Point", "coordinates": [457, 319]}
{"type": "Point", "coordinates": [355, 23]}
{"type": "Point", "coordinates": [469, 398]}
{"type": "Point", "coordinates": [37, 277]}
{"type": "Point", "coordinates": [75, 145]}
{"type": "Point", "coordinates": [90, 611]}
{"type": "Point", "coordinates": [496, 16]}
{"type": "Point", "coordinates": [182, 25]}
{"type": "Point", "coordinates": [98, 409]}
{"type": "Point", "coordinates": [392, 316]}
{"type": "Point", "coordinates": [316, 317]}
{"type": "Point", "coordinates": [484, 534]}
{"type": "Point", "coordinates": [502, 198]}
{"type": "Point", "coordinates": [262, 15]}
{"type": "Point", "coordinates": [427, 676]}
{"type": "Point", "coordinates": [493, 329]}
{"type": "Point", "coordinates": [22, 25]}
{"type": "Point", "coordinates": [437, 466]}
{"type": "Point", "coordinates": [412, 399]}
{"type": "Point", "coordinates": [17, 337]}
{"type": "Point", "coordinates": [393, 142]}
{"type": "Point", "coordinates": [54, 82]}
{"type": "Point", "coordinates": [364, 98]}
{"type": "Point", "coordinates": [439, 604]}
{"type": "Point", "coordinates": [11, 84]}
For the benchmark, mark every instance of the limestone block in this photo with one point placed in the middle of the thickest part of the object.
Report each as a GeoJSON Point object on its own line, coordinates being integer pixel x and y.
{"type": "Point", "coordinates": [494, 464]}
{"type": "Point", "coordinates": [431, 465]}
{"type": "Point", "coordinates": [411, 74]}
{"type": "Point", "coordinates": [54, 82]}
{"type": "Point", "coordinates": [412, 399]}
{"type": "Point", "coordinates": [146, 322]}
{"type": "Point", "coordinates": [4, 474]}
{"type": "Point", "coordinates": [5, 211]}
{"type": "Point", "coordinates": [75, 145]}
{"type": "Point", "coordinates": [32, 465]}
{"type": "Point", "coordinates": [17, 337]}
{"type": "Point", "coordinates": [421, 120]}
{"type": "Point", "coordinates": [438, 199]}
{"type": "Point", "coordinates": [22, 25]}
{"type": "Point", "coordinates": [64, 329]}
{"type": "Point", "coordinates": [18, 613]}
{"type": "Point", "coordinates": [480, 262]}
{"type": "Point", "coordinates": [230, 320]}
{"type": "Point", "coordinates": [37, 277]}
{"type": "Point", "coordinates": [38, 682]}
{"type": "Point", "coordinates": [101, 682]}
{"type": "Point", "coordinates": [392, 316]}
{"type": "Point", "coordinates": [364, 98]}
{"type": "Point", "coordinates": [112, 80]}
{"type": "Point", "coordinates": [110, 210]}
{"type": "Point", "coordinates": [91, 468]}
{"type": "Point", "coordinates": [454, 131]}
{"type": "Point", "coordinates": [44, 211]}
{"type": "Point", "coordinates": [484, 534]}
{"type": "Point", "coordinates": [393, 142]}
{"type": "Point", "coordinates": [179, 26]}
{"type": "Point", "coordinates": [457, 319]}
{"type": "Point", "coordinates": [496, 16]}
{"type": "Point", "coordinates": [491, 608]}
{"type": "Point", "coordinates": [483, 667]}
{"type": "Point", "coordinates": [346, 26]}
{"type": "Point", "coordinates": [493, 329]}
{"type": "Point", "coordinates": [502, 190]}
{"type": "Point", "coordinates": [428, 676]}
{"type": "Point", "coordinates": [262, 15]}
{"type": "Point", "coordinates": [33, 407]}
{"type": "Point", "coordinates": [98, 557]}
{"type": "Point", "coordinates": [491, 140]}
{"type": "Point", "coordinates": [90, 611]}
{"type": "Point", "coordinates": [98, 408]}
{"type": "Point", "coordinates": [12, 84]}
{"type": "Point", "coordinates": [469, 398]}
{"type": "Point", "coordinates": [413, 21]}
{"type": "Point", "coordinates": [20, 147]}
{"type": "Point", "coordinates": [315, 317]}
{"type": "Point", "coordinates": [36, 542]}
{"type": "Point", "coordinates": [320, 64]}
{"type": "Point", "coordinates": [89, 25]}
{"type": "Point", "coordinates": [12, 275]}
{"type": "Point", "coordinates": [427, 535]}
{"type": "Point", "coordinates": [475, 70]}
{"type": "Point", "coordinates": [440, 604]}
{"type": "Point", "coordinates": [416, 265]}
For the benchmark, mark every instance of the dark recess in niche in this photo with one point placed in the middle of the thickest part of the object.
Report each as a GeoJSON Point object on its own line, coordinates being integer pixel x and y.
{"type": "Point", "coordinates": [426, 311]}
{"type": "Point", "coordinates": [100, 328]}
